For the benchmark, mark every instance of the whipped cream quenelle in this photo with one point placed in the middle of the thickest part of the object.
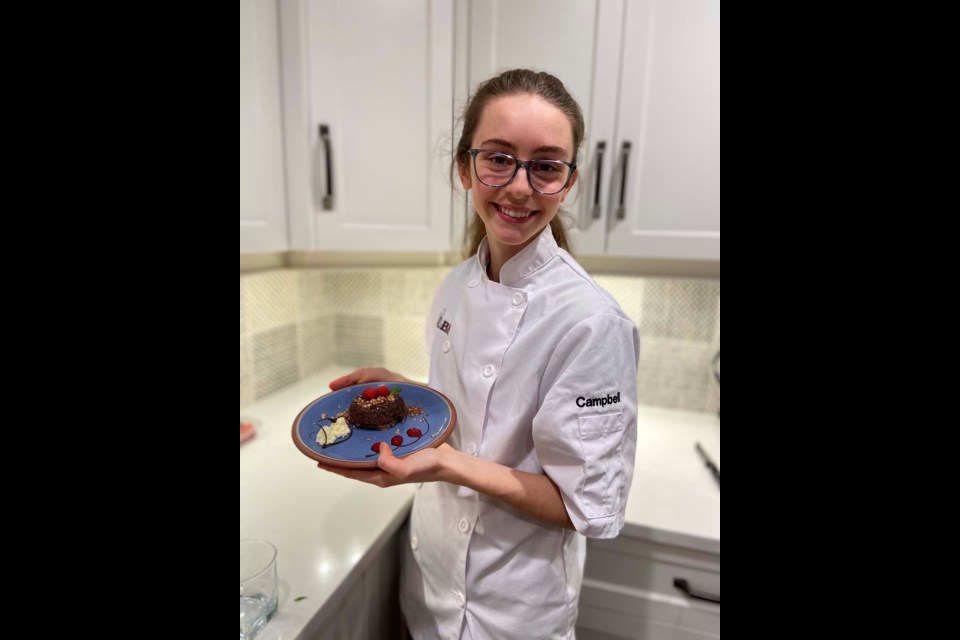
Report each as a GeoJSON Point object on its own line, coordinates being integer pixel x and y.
{"type": "Point", "coordinates": [336, 431]}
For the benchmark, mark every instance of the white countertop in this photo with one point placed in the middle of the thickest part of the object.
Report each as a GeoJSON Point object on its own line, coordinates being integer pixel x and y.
{"type": "Point", "coordinates": [674, 498]}
{"type": "Point", "coordinates": [327, 529]}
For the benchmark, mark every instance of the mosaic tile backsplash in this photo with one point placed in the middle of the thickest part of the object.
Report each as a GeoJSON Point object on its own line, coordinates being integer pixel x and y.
{"type": "Point", "coordinates": [295, 322]}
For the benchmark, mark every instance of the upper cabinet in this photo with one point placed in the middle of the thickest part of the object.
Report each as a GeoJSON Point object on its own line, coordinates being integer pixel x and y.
{"type": "Point", "coordinates": [647, 75]}
{"type": "Point", "coordinates": [670, 117]}
{"type": "Point", "coordinates": [361, 160]}
{"type": "Point", "coordinates": [263, 217]}
{"type": "Point", "coordinates": [368, 107]}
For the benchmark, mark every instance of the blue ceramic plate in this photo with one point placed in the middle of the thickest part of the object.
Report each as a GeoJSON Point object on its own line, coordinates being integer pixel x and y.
{"type": "Point", "coordinates": [431, 428]}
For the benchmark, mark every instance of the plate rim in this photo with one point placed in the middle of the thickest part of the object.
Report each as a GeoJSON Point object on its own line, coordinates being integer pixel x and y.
{"type": "Point", "coordinates": [370, 464]}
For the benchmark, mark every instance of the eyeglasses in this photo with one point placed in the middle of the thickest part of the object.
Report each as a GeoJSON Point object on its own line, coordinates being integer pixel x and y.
{"type": "Point", "coordinates": [547, 177]}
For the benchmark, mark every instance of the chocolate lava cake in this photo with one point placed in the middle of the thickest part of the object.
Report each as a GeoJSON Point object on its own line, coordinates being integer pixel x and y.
{"type": "Point", "coordinates": [377, 414]}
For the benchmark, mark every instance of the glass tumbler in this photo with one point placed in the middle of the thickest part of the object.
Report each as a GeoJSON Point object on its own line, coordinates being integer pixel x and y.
{"type": "Point", "coordinates": [258, 586]}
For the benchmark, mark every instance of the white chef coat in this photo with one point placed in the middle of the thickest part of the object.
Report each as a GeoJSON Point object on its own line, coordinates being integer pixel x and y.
{"type": "Point", "coordinates": [542, 370]}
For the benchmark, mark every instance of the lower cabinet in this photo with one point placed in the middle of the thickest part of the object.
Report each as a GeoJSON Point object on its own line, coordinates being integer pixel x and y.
{"type": "Point", "coordinates": [629, 592]}
{"type": "Point", "coordinates": [369, 608]}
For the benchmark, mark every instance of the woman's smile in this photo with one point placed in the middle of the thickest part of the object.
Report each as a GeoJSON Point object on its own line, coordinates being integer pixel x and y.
{"type": "Point", "coordinates": [512, 214]}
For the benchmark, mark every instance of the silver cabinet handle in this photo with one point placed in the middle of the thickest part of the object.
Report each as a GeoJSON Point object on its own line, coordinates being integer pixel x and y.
{"type": "Point", "coordinates": [622, 209]}
{"type": "Point", "coordinates": [597, 208]}
{"type": "Point", "coordinates": [325, 138]}
{"type": "Point", "coordinates": [684, 586]}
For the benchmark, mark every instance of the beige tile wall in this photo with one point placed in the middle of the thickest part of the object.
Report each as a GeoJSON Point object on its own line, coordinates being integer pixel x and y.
{"type": "Point", "coordinates": [679, 323]}
{"type": "Point", "coordinates": [295, 322]}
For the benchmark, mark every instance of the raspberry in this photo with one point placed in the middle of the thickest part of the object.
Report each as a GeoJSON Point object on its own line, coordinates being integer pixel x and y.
{"type": "Point", "coordinates": [369, 394]}
{"type": "Point", "coordinates": [376, 447]}
{"type": "Point", "coordinates": [397, 441]}
{"type": "Point", "coordinates": [383, 392]}
{"type": "Point", "coordinates": [414, 433]}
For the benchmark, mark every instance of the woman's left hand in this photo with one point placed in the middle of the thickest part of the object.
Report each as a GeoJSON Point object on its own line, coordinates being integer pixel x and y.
{"type": "Point", "coordinates": [424, 466]}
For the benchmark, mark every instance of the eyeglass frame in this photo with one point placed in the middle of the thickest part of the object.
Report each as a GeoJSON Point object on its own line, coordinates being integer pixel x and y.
{"type": "Point", "coordinates": [522, 165]}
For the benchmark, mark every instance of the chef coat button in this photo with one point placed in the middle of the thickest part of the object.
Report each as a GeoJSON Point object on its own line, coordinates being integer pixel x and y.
{"type": "Point", "coordinates": [489, 370]}
{"type": "Point", "coordinates": [446, 346]}
{"type": "Point", "coordinates": [474, 283]}
{"type": "Point", "coordinates": [464, 526]}
{"type": "Point", "coordinates": [518, 299]}
{"type": "Point", "coordinates": [461, 601]}
{"type": "Point", "coordinates": [472, 448]}
{"type": "Point", "coordinates": [414, 543]}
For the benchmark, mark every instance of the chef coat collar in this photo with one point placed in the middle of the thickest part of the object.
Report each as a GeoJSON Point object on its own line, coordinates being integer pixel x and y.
{"type": "Point", "coordinates": [534, 256]}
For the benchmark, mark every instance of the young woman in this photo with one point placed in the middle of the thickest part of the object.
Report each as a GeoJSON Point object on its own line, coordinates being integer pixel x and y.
{"type": "Point", "coordinates": [541, 364]}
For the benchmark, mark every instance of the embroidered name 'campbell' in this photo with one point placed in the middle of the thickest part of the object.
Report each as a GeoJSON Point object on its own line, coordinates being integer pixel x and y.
{"type": "Point", "coordinates": [598, 402]}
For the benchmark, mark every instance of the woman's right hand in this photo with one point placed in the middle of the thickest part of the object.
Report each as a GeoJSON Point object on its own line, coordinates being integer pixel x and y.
{"type": "Point", "coordinates": [361, 376]}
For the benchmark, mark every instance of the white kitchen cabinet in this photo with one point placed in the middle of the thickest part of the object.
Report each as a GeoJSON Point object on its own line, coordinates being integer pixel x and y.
{"type": "Point", "coordinates": [647, 75]}
{"type": "Point", "coordinates": [629, 593]}
{"type": "Point", "coordinates": [263, 217]}
{"type": "Point", "coordinates": [368, 99]}
{"type": "Point", "coordinates": [670, 114]}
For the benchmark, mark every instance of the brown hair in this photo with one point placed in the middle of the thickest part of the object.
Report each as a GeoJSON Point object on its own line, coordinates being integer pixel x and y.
{"type": "Point", "coordinates": [511, 83]}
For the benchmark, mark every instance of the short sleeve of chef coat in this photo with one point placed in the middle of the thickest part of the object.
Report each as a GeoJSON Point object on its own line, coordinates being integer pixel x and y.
{"type": "Point", "coordinates": [585, 432]}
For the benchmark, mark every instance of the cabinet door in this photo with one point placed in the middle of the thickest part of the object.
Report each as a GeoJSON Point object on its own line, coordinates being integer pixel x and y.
{"type": "Point", "coordinates": [628, 591]}
{"type": "Point", "coordinates": [376, 79]}
{"type": "Point", "coordinates": [263, 219]}
{"type": "Point", "coordinates": [670, 117]}
{"type": "Point", "coordinates": [579, 42]}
